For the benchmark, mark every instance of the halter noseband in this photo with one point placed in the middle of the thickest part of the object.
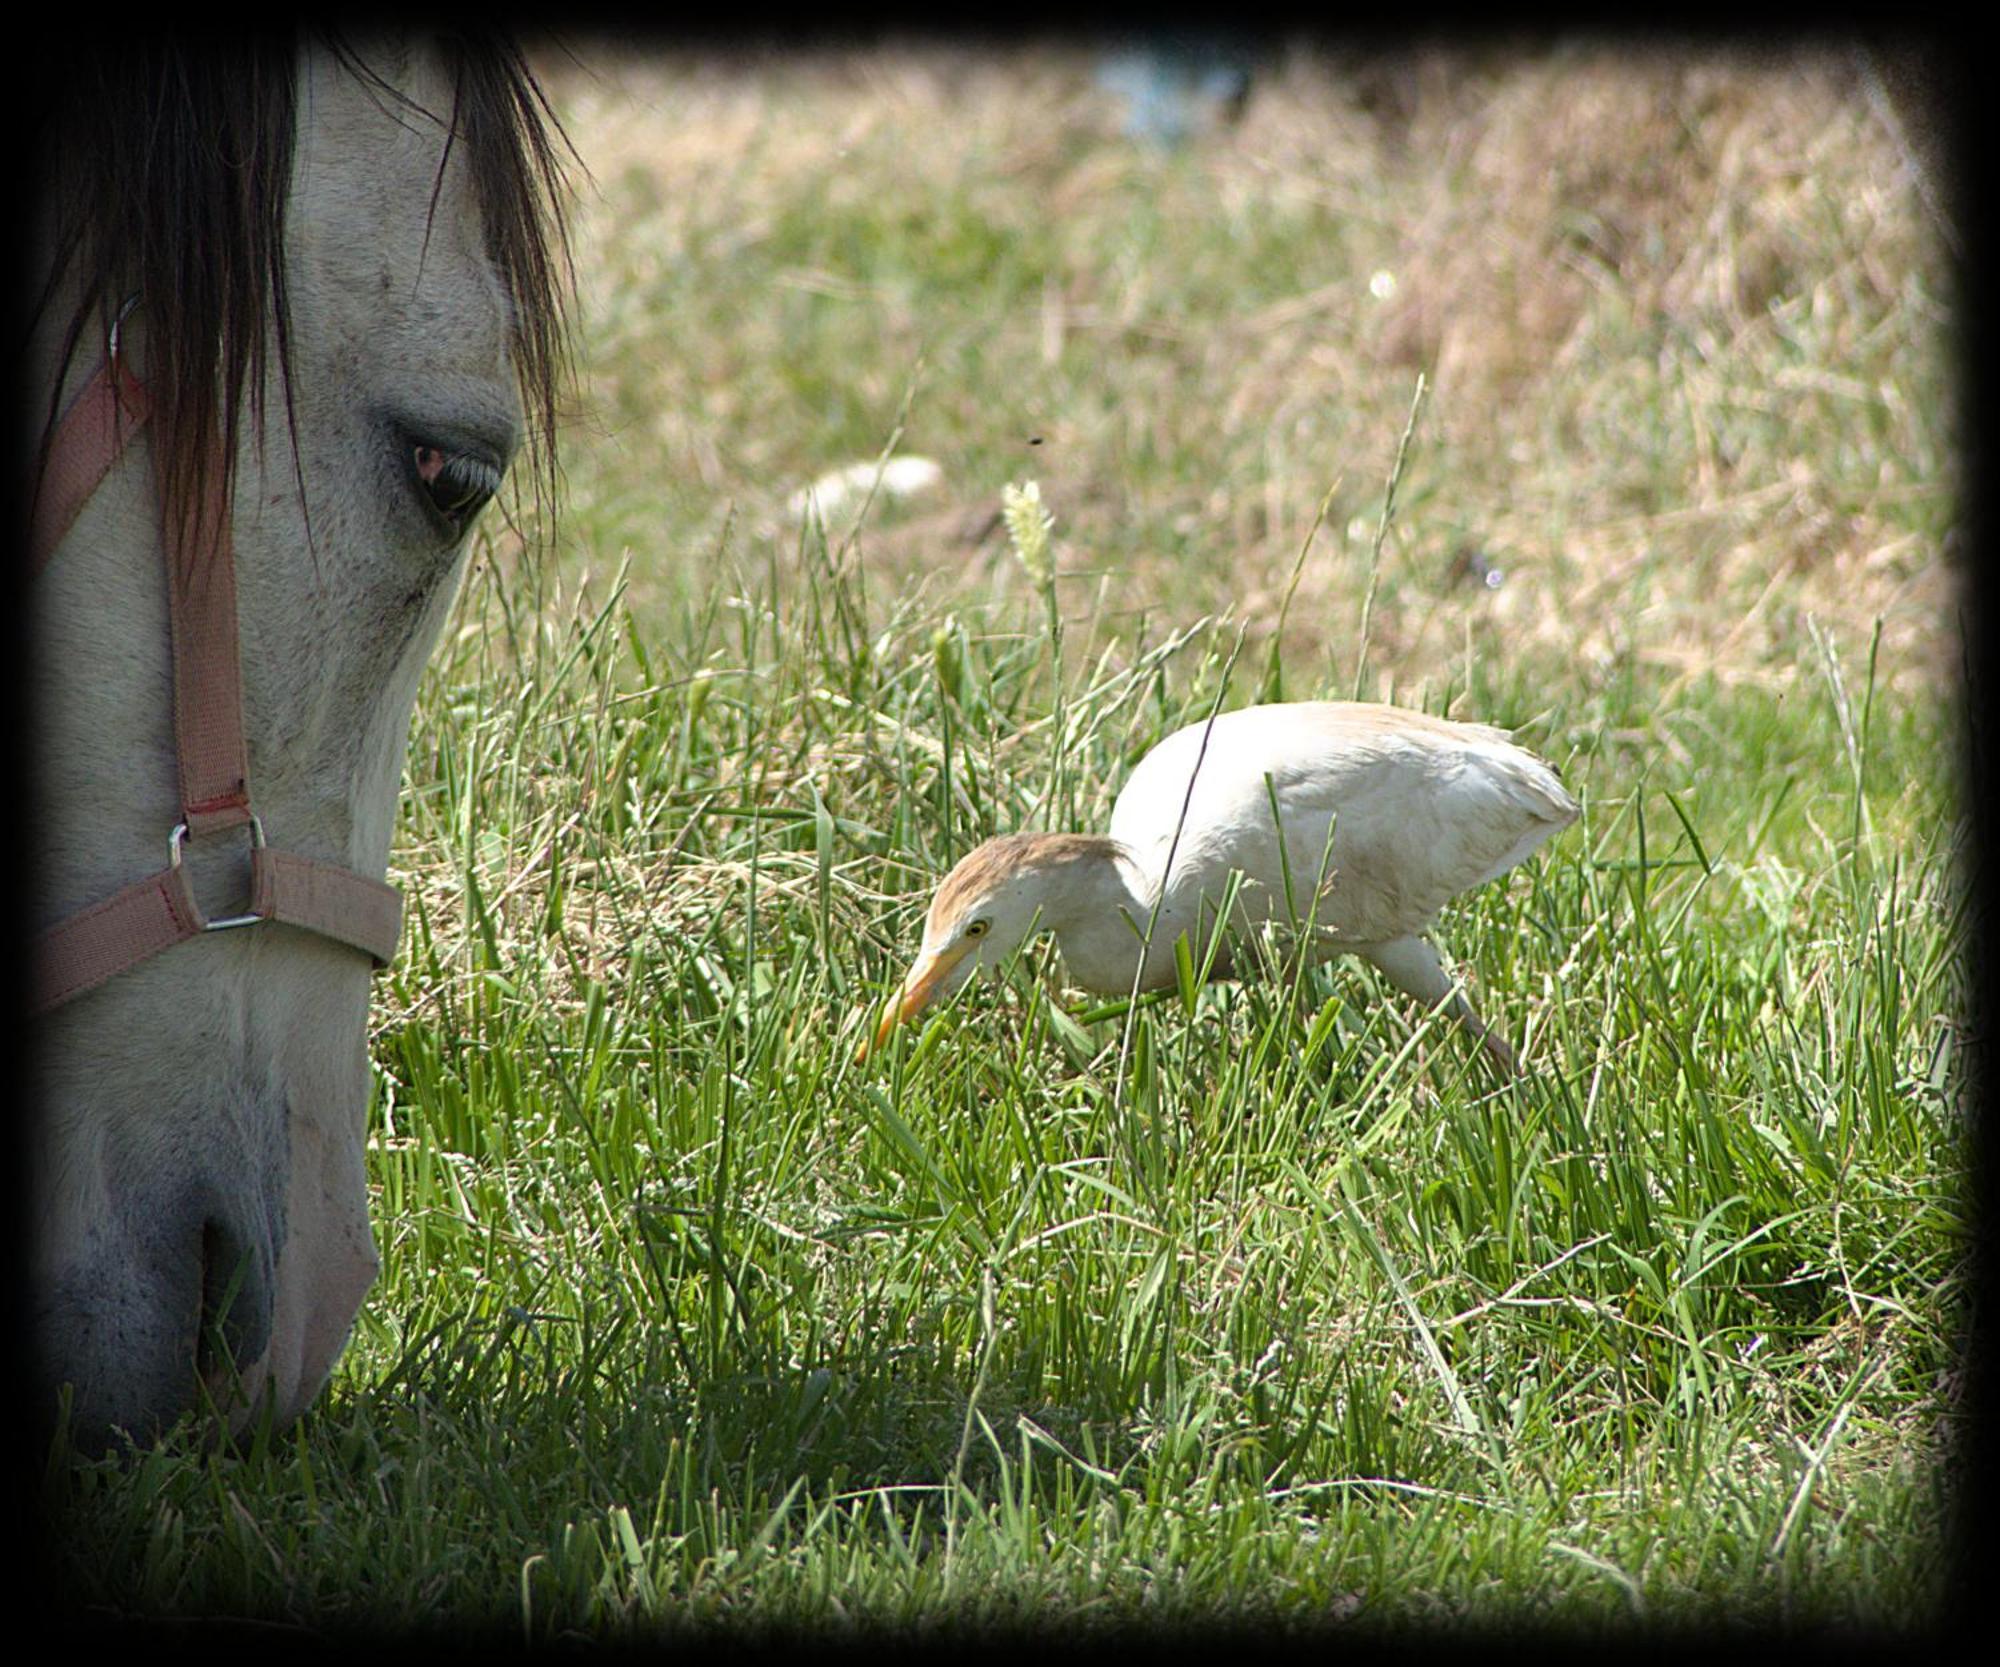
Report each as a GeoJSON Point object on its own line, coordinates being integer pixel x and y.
{"type": "Point", "coordinates": [155, 913]}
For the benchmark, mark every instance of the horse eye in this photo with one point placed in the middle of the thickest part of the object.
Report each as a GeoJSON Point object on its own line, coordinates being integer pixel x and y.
{"type": "Point", "coordinates": [457, 484]}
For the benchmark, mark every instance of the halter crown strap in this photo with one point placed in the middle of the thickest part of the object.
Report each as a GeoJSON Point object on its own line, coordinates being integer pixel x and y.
{"type": "Point", "coordinates": [208, 673]}
{"type": "Point", "coordinates": [154, 914]}
{"type": "Point", "coordinates": [101, 419]}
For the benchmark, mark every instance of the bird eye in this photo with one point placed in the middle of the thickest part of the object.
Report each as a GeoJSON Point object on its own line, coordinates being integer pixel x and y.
{"type": "Point", "coordinates": [978, 928]}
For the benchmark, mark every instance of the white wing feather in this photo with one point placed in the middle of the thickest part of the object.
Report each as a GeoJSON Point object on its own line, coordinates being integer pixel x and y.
{"type": "Point", "coordinates": [1420, 808]}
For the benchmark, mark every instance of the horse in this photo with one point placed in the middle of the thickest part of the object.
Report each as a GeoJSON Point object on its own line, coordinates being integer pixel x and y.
{"type": "Point", "coordinates": [299, 301]}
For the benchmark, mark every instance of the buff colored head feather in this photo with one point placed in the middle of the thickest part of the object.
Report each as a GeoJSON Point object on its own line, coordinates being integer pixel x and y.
{"type": "Point", "coordinates": [985, 909]}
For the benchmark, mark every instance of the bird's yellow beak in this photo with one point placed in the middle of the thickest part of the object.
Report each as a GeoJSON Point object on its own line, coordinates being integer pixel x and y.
{"type": "Point", "coordinates": [919, 986]}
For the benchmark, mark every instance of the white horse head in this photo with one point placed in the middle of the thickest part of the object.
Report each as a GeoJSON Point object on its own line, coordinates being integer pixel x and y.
{"type": "Point", "coordinates": [354, 334]}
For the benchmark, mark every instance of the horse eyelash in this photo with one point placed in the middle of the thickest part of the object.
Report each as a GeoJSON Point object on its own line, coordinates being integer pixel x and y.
{"type": "Point", "coordinates": [462, 481]}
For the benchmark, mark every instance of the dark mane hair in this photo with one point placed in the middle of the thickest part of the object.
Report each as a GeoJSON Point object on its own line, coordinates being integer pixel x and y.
{"type": "Point", "coordinates": [168, 165]}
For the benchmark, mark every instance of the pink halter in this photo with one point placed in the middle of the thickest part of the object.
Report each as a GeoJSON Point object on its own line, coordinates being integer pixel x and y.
{"type": "Point", "coordinates": [159, 911]}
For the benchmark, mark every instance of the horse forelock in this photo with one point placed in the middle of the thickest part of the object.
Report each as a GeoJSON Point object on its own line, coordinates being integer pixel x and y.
{"type": "Point", "coordinates": [170, 167]}
{"type": "Point", "coordinates": [515, 148]}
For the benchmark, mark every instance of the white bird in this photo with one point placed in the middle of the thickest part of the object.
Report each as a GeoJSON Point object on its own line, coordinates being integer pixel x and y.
{"type": "Point", "coordinates": [1365, 818]}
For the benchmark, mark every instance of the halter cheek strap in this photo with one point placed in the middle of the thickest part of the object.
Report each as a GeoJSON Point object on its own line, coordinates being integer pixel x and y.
{"type": "Point", "coordinates": [159, 911]}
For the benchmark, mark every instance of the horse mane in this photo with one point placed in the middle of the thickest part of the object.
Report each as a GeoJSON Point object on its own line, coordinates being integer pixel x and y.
{"type": "Point", "coordinates": [169, 168]}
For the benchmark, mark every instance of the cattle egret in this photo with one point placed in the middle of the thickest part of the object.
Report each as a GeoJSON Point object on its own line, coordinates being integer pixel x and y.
{"type": "Point", "coordinates": [1367, 818]}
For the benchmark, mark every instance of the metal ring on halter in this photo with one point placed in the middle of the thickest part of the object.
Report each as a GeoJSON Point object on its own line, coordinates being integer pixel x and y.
{"type": "Point", "coordinates": [117, 324]}
{"type": "Point", "coordinates": [174, 843]}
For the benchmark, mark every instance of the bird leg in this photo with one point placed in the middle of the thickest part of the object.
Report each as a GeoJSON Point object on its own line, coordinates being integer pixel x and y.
{"type": "Point", "coordinates": [1412, 965]}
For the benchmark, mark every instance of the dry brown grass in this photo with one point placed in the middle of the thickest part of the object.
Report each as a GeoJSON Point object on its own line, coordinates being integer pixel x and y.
{"type": "Point", "coordinates": [1682, 315]}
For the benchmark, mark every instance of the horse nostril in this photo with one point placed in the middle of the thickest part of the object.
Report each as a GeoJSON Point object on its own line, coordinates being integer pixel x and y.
{"type": "Point", "coordinates": [234, 1322]}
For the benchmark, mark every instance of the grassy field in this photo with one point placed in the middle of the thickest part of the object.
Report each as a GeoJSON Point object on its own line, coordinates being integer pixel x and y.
{"type": "Point", "coordinates": [1249, 1306]}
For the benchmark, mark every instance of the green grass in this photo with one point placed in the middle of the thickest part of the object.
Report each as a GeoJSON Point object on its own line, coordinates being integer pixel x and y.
{"type": "Point", "coordinates": [1251, 1305]}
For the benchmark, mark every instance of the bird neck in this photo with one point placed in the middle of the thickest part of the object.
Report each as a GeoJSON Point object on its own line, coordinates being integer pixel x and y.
{"type": "Point", "coordinates": [1098, 902]}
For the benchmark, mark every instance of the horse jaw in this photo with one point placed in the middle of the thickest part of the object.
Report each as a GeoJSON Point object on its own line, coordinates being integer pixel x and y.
{"type": "Point", "coordinates": [204, 1114]}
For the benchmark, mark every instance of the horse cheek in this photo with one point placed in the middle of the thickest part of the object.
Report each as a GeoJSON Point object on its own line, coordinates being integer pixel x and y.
{"type": "Point", "coordinates": [326, 1260]}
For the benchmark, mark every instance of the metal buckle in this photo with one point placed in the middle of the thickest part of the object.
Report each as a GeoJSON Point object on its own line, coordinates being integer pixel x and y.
{"type": "Point", "coordinates": [174, 843]}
